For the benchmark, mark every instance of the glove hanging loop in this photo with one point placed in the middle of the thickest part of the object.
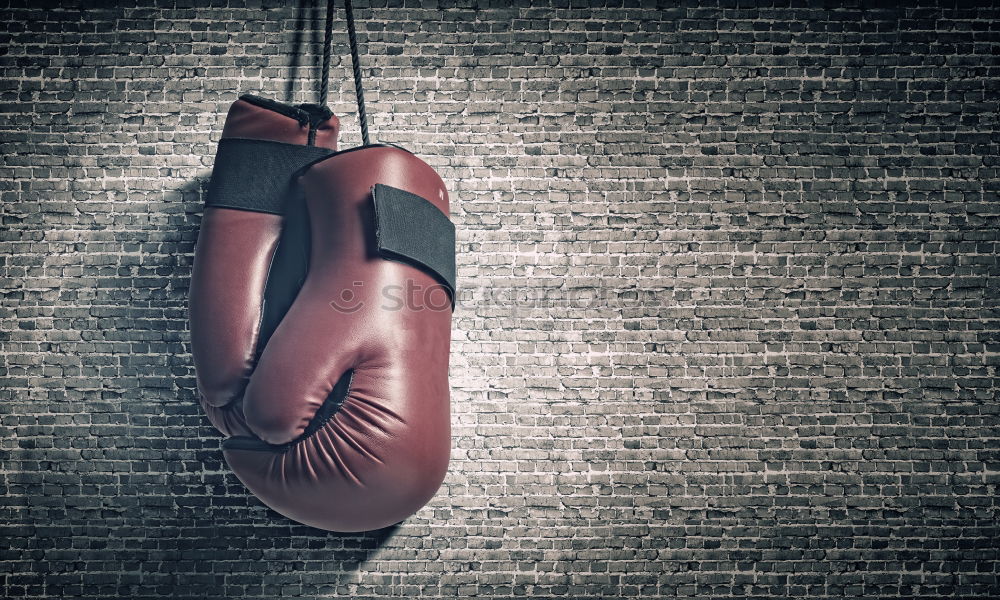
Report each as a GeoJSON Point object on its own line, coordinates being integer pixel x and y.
{"type": "Point", "coordinates": [359, 91]}
{"type": "Point", "coordinates": [356, 63]}
{"type": "Point", "coordinates": [324, 77]}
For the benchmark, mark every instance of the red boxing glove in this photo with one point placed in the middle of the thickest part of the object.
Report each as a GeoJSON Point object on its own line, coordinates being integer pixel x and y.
{"type": "Point", "coordinates": [238, 244]}
{"type": "Point", "coordinates": [344, 422]}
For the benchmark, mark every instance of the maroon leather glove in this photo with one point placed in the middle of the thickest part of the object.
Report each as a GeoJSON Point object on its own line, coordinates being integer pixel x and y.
{"type": "Point", "coordinates": [344, 422]}
{"type": "Point", "coordinates": [238, 244]}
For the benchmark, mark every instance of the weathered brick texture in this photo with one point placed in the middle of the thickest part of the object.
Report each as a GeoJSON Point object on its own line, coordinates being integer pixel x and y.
{"type": "Point", "coordinates": [729, 325]}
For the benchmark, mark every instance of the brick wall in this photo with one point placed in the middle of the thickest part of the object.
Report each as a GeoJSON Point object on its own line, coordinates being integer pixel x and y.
{"type": "Point", "coordinates": [730, 300]}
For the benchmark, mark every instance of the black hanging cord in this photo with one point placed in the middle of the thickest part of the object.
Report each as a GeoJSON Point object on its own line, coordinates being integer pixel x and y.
{"type": "Point", "coordinates": [324, 77]}
{"type": "Point", "coordinates": [324, 87]}
{"type": "Point", "coordinates": [356, 62]}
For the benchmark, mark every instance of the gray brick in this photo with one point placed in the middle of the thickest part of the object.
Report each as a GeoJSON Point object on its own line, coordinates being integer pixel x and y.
{"type": "Point", "coordinates": [730, 302]}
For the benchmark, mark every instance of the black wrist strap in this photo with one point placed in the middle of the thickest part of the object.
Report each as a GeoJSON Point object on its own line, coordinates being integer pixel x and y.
{"type": "Point", "coordinates": [255, 174]}
{"type": "Point", "coordinates": [411, 229]}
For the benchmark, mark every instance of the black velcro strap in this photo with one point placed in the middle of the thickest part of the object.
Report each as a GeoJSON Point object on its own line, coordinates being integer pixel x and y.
{"type": "Point", "coordinates": [255, 174]}
{"type": "Point", "coordinates": [413, 230]}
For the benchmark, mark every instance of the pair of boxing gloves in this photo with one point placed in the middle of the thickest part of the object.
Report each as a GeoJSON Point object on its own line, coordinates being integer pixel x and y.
{"type": "Point", "coordinates": [320, 309]}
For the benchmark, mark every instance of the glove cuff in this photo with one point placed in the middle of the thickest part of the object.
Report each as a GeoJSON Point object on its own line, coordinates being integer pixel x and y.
{"type": "Point", "coordinates": [256, 174]}
{"type": "Point", "coordinates": [264, 144]}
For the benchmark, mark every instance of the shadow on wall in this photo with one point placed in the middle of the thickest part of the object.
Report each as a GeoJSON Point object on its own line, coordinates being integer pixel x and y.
{"type": "Point", "coordinates": [307, 47]}
{"type": "Point", "coordinates": [142, 496]}
{"type": "Point", "coordinates": [228, 527]}
{"type": "Point", "coordinates": [139, 503]}
{"type": "Point", "coordinates": [305, 14]}
{"type": "Point", "coordinates": [233, 527]}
